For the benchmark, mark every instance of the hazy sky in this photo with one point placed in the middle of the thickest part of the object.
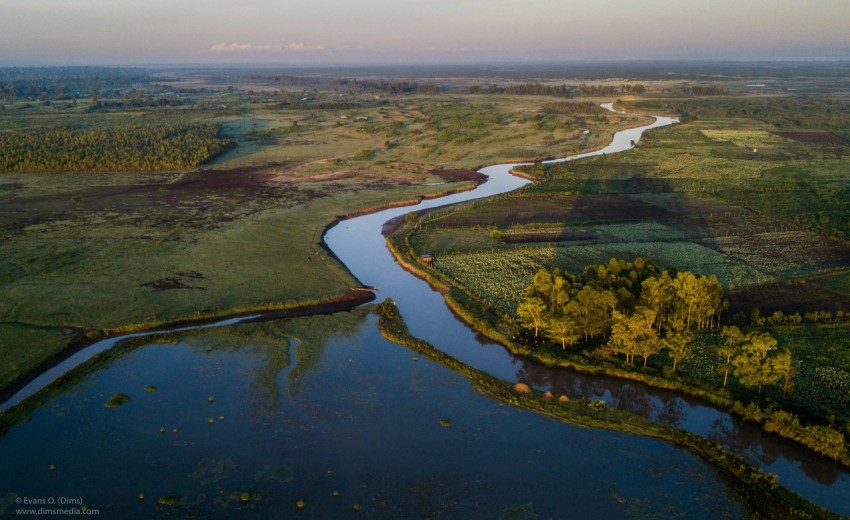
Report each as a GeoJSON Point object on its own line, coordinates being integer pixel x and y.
{"type": "Point", "coordinates": [325, 31]}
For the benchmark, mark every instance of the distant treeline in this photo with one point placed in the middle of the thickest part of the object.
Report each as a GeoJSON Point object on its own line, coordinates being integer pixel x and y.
{"type": "Point", "coordinates": [573, 108]}
{"type": "Point", "coordinates": [698, 90]}
{"type": "Point", "coordinates": [65, 82]}
{"type": "Point", "coordinates": [389, 87]}
{"type": "Point", "coordinates": [563, 90]}
{"type": "Point", "coordinates": [152, 147]}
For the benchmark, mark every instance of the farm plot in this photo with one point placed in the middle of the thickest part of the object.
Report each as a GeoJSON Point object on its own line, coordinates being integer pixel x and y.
{"type": "Point", "coordinates": [784, 254]}
{"type": "Point", "coordinates": [838, 282]}
{"type": "Point", "coordinates": [501, 275]}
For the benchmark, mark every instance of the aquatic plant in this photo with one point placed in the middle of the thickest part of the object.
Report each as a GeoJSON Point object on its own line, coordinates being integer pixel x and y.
{"type": "Point", "coordinates": [117, 400]}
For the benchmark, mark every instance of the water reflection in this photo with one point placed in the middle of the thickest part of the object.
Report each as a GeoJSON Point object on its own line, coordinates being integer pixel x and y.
{"type": "Point", "coordinates": [306, 408]}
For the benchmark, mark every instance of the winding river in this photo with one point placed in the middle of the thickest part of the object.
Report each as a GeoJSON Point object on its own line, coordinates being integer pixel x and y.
{"type": "Point", "coordinates": [364, 420]}
{"type": "Point", "coordinates": [360, 245]}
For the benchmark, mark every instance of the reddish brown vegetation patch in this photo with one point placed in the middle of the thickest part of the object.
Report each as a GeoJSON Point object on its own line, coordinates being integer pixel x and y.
{"type": "Point", "coordinates": [789, 298]}
{"type": "Point", "coordinates": [167, 283]}
{"type": "Point", "coordinates": [554, 236]}
{"type": "Point", "coordinates": [458, 175]}
{"type": "Point", "coordinates": [813, 137]}
{"type": "Point", "coordinates": [175, 282]}
{"type": "Point", "coordinates": [619, 207]}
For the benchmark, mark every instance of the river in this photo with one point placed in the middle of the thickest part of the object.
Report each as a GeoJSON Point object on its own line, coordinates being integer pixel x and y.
{"type": "Point", "coordinates": [316, 408]}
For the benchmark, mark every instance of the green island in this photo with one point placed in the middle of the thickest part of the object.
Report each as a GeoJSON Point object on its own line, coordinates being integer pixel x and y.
{"type": "Point", "coordinates": [710, 259]}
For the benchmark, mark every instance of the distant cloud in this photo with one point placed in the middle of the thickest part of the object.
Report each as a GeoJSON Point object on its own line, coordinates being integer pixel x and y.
{"type": "Point", "coordinates": [247, 47]}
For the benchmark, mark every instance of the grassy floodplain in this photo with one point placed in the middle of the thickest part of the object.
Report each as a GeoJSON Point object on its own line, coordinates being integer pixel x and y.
{"type": "Point", "coordinates": [179, 196]}
{"type": "Point", "coordinates": [752, 189]}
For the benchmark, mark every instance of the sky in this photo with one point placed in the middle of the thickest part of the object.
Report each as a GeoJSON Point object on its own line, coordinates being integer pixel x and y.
{"type": "Point", "coordinates": [420, 31]}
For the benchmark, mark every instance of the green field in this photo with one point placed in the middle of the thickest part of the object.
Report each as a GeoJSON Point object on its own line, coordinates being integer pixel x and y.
{"type": "Point", "coordinates": [150, 204]}
{"type": "Point", "coordinates": [740, 190]}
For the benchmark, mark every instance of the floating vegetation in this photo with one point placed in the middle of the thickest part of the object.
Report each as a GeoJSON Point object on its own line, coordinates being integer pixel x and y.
{"type": "Point", "coordinates": [357, 507]}
{"type": "Point", "coordinates": [167, 500]}
{"type": "Point", "coordinates": [280, 473]}
{"type": "Point", "coordinates": [150, 388]}
{"type": "Point", "coordinates": [117, 400]}
{"type": "Point", "coordinates": [245, 497]}
{"type": "Point", "coordinates": [519, 512]}
{"type": "Point", "coordinates": [445, 423]}
{"type": "Point", "coordinates": [211, 399]}
{"type": "Point", "coordinates": [141, 496]}
{"type": "Point", "coordinates": [52, 467]}
{"type": "Point", "coordinates": [210, 471]}
{"type": "Point", "coordinates": [162, 430]}
{"type": "Point", "coordinates": [299, 504]}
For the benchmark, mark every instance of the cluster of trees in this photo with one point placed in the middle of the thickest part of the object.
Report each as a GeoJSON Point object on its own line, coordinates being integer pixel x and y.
{"type": "Point", "coordinates": [755, 359]}
{"type": "Point", "coordinates": [779, 317]}
{"type": "Point", "coordinates": [151, 147]}
{"type": "Point", "coordinates": [38, 83]}
{"type": "Point", "coordinates": [610, 90]}
{"type": "Point", "coordinates": [524, 89]}
{"type": "Point", "coordinates": [390, 87]}
{"type": "Point", "coordinates": [573, 108]}
{"type": "Point", "coordinates": [642, 311]}
{"type": "Point", "coordinates": [698, 90]}
{"type": "Point", "coordinates": [637, 308]}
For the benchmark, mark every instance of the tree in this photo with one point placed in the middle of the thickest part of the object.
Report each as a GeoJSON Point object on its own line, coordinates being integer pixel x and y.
{"type": "Point", "coordinates": [635, 335]}
{"type": "Point", "coordinates": [678, 345]}
{"type": "Point", "coordinates": [591, 309]}
{"type": "Point", "coordinates": [733, 339]}
{"type": "Point", "coordinates": [532, 313]}
{"type": "Point", "coordinates": [784, 367]}
{"type": "Point", "coordinates": [754, 365]}
{"type": "Point", "coordinates": [656, 294]}
{"type": "Point", "coordinates": [563, 329]}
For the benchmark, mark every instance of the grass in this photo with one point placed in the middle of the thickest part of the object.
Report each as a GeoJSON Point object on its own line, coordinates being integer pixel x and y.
{"type": "Point", "coordinates": [110, 252]}
{"type": "Point", "coordinates": [694, 197]}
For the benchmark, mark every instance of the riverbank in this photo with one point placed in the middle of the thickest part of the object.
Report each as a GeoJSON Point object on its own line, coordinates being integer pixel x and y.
{"type": "Point", "coordinates": [760, 492]}
{"type": "Point", "coordinates": [347, 301]}
{"type": "Point", "coordinates": [496, 326]}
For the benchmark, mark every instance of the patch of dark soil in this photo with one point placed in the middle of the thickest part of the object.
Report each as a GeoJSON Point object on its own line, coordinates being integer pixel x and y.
{"type": "Point", "coordinates": [555, 236]}
{"type": "Point", "coordinates": [813, 137]}
{"type": "Point", "coordinates": [458, 175]}
{"type": "Point", "coordinates": [619, 207]}
{"type": "Point", "coordinates": [224, 180]}
{"type": "Point", "coordinates": [191, 274]}
{"type": "Point", "coordinates": [799, 297]}
{"type": "Point", "coordinates": [168, 283]}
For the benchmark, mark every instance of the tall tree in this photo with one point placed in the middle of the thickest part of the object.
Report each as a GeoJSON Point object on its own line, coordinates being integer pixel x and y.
{"type": "Point", "coordinates": [733, 339]}
{"type": "Point", "coordinates": [562, 329]}
{"type": "Point", "coordinates": [635, 335]}
{"type": "Point", "coordinates": [754, 365]}
{"type": "Point", "coordinates": [532, 313]}
{"type": "Point", "coordinates": [591, 309]}
{"type": "Point", "coordinates": [678, 344]}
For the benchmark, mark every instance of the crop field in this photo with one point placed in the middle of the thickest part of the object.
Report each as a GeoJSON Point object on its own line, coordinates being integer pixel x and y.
{"type": "Point", "coordinates": [737, 196]}
{"type": "Point", "coordinates": [501, 275]}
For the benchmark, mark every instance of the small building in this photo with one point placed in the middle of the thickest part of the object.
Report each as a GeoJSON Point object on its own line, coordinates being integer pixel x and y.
{"type": "Point", "coordinates": [427, 258]}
